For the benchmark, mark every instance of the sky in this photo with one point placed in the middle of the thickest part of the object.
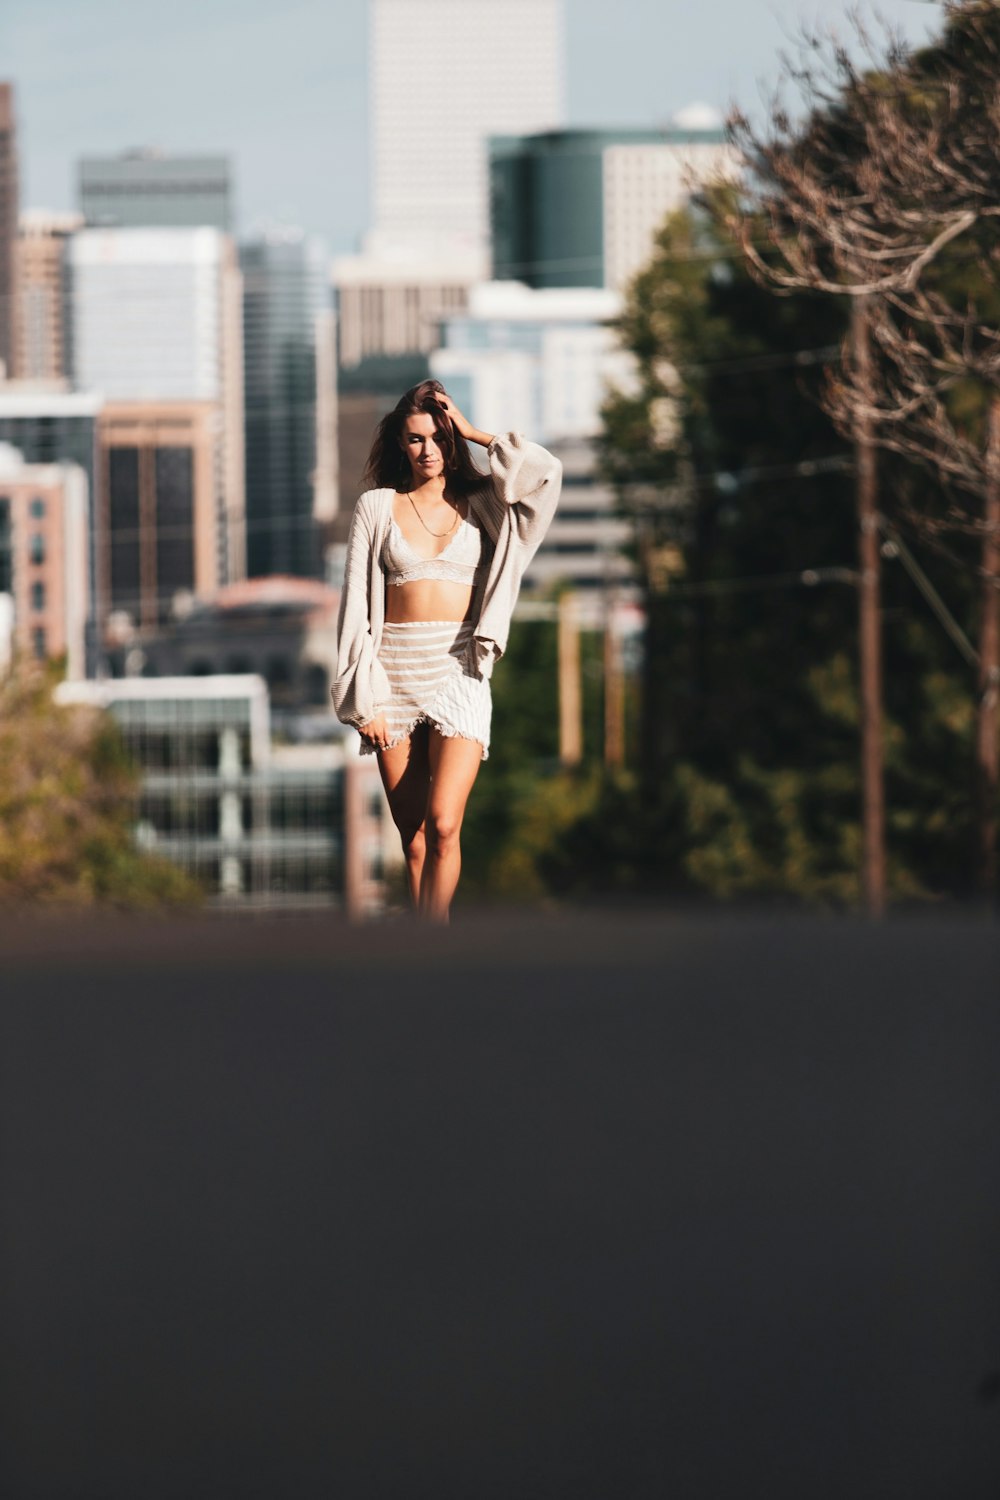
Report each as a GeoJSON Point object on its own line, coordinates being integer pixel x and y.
{"type": "Point", "coordinates": [282, 89]}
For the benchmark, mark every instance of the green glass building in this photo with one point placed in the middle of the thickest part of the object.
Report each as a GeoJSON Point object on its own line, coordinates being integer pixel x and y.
{"type": "Point", "coordinates": [548, 200]}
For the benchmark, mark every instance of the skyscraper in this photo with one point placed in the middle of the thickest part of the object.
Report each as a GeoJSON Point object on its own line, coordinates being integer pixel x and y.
{"type": "Point", "coordinates": [148, 189]}
{"type": "Point", "coordinates": [8, 227]}
{"type": "Point", "coordinates": [285, 296]}
{"type": "Point", "coordinates": [446, 75]}
{"type": "Point", "coordinates": [582, 207]}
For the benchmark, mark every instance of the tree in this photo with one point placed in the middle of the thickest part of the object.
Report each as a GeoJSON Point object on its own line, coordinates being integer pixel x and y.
{"type": "Point", "coordinates": [740, 490]}
{"type": "Point", "coordinates": [67, 804]}
{"type": "Point", "coordinates": [885, 193]}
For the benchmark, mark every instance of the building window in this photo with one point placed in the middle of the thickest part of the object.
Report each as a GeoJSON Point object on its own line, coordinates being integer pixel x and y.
{"type": "Point", "coordinates": [6, 563]}
{"type": "Point", "coordinates": [37, 547]}
{"type": "Point", "coordinates": [174, 468]}
{"type": "Point", "coordinates": [37, 508]}
{"type": "Point", "coordinates": [38, 644]}
{"type": "Point", "coordinates": [123, 519]}
{"type": "Point", "coordinates": [37, 596]}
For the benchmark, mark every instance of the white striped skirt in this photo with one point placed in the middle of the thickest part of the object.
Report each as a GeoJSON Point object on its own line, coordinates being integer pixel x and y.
{"type": "Point", "coordinates": [428, 663]}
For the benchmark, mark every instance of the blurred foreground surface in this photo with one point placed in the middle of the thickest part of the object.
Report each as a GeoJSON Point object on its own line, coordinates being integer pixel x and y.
{"type": "Point", "coordinates": [588, 1207]}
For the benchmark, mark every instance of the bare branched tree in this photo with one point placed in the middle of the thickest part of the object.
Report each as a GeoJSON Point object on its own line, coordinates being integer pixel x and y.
{"type": "Point", "coordinates": [889, 194]}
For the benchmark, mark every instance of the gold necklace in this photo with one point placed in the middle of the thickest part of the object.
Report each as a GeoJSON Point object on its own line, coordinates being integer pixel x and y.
{"type": "Point", "coordinates": [424, 524]}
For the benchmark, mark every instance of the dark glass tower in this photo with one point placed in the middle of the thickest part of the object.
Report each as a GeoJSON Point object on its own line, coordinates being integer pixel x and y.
{"type": "Point", "coordinates": [285, 287]}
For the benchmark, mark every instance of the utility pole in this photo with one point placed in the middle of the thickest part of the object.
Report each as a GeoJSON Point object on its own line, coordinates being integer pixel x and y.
{"type": "Point", "coordinates": [987, 761]}
{"type": "Point", "coordinates": [614, 692]}
{"type": "Point", "coordinates": [570, 698]}
{"type": "Point", "coordinates": [869, 627]}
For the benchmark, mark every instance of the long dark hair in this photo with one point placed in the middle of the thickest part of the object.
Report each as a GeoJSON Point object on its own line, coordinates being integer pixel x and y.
{"type": "Point", "coordinates": [388, 466]}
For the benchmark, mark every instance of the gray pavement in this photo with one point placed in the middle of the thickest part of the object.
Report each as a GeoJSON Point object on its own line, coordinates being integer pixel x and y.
{"type": "Point", "coordinates": [595, 1206]}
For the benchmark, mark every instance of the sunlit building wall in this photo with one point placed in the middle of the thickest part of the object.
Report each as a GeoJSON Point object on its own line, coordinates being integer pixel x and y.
{"type": "Point", "coordinates": [445, 75]}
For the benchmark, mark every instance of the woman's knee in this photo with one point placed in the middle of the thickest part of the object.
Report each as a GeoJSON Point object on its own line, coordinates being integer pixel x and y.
{"type": "Point", "coordinates": [443, 830]}
{"type": "Point", "coordinates": [412, 838]}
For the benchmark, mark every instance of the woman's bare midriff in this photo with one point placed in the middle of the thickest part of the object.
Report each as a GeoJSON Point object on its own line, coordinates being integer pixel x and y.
{"type": "Point", "coordinates": [427, 599]}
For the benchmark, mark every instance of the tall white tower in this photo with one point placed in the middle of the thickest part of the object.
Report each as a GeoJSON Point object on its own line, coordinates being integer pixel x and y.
{"type": "Point", "coordinates": [446, 75]}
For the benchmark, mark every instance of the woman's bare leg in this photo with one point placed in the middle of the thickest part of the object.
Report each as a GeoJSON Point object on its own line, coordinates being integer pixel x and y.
{"type": "Point", "coordinates": [405, 772]}
{"type": "Point", "coordinates": [454, 764]}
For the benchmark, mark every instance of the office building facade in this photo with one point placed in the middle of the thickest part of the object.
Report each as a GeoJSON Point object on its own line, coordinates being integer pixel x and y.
{"type": "Point", "coordinates": [41, 323]}
{"type": "Point", "coordinates": [260, 826]}
{"type": "Point", "coordinates": [288, 384]}
{"type": "Point", "coordinates": [389, 308]}
{"type": "Point", "coordinates": [148, 189]}
{"type": "Point", "coordinates": [43, 557]}
{"type": "Point", "coordinates": [54, 427]}
{"type": "Point", "coordinates": [157, 325]}
{"type": "Point", "coordinates": [160, 524]}
{"type": "Point", "coordinates": [446, 75]}
{"type": "Point", "coordinates": [580, 208]}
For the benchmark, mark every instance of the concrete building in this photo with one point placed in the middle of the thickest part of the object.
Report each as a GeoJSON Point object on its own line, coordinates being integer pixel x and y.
{"type": "Point", "coordinates": [149, 189]}
{"type": "Point", "coordinates": [582, 207]}
{"type": "Point", "coordinates": [289, 385]}
{"type": "Point", "coordinates": [8, 228]}
{"type": "Point", "coordinates": [261, 826]}
{"type": "Point", "coordinates": [446, 75]}
{"type": "Point", "coordinates": [158, 323]}
{"type": "Point", "coordinates": [41, 332]}
{"type": "Point", "coordinates": [43, 557]}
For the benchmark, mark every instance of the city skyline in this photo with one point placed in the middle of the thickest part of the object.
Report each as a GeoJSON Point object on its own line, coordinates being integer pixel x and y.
{"type": "Point", "coordinates": [293, 114]}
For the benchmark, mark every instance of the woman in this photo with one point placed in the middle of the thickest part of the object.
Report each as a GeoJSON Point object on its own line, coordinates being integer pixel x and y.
{"type": "Point", "coordinates": [435, 556]}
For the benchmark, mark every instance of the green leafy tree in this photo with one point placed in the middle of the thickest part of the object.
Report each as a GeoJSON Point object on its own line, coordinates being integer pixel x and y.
{"type": "Point", "coordinates": [739, 490]}
{"type": "Point", "coordinates": [67, 806]}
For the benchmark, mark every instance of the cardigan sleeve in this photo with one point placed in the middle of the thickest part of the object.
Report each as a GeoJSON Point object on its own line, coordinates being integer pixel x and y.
{"type": "Point", "coordinates": [526, 477]}
{"type": "Point", "coordinates": [354, 687]}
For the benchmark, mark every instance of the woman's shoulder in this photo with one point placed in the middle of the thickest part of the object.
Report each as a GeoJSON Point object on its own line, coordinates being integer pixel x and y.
{"type": "Point", "coordinates": [375, 503]}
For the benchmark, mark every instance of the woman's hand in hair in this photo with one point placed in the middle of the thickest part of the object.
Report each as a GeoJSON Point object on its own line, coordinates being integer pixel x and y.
{"type": "Point", "coordinates": [376, 732]}
{"type": "Point", "coordinates": [461, 424]}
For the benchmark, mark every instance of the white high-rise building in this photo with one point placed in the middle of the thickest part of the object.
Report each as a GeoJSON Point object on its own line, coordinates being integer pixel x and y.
{"type": "Point", "coordinates": [157, 328]}
{"type": "Point", "coordinates": [152, 313]}
{"type": "Point", "coordinates": [446, 75]}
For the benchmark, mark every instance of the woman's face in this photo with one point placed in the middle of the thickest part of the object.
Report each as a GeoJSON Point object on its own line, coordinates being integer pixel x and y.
{"type": "Point", "coordinates": [419, 442]}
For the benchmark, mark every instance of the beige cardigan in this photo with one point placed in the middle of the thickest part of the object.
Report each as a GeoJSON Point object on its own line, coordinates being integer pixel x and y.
{"type": "Point", "coordinates": [514, 506]}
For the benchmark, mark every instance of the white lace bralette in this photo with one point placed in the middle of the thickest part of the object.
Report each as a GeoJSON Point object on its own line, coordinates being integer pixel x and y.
{"type": "Point", "coordinates": [460, 562]}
